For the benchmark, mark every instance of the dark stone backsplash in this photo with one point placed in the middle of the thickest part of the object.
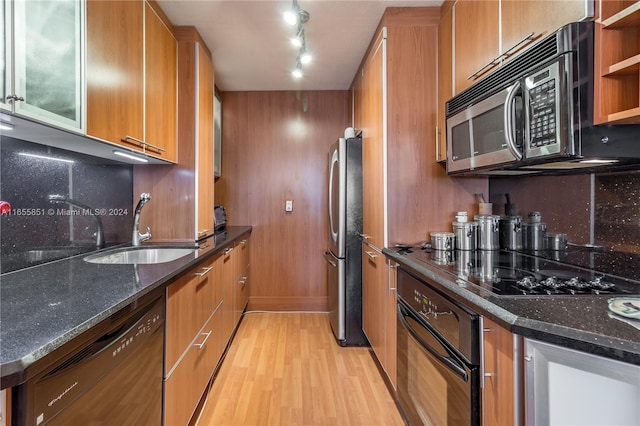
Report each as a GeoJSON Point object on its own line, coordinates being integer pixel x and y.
{"type": "Point", "coordinates": [600, 208]}
{"type": "Point", "coordinates": [36, 222]}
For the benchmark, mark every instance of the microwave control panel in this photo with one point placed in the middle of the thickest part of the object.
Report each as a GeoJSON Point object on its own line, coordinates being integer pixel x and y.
{"type": "Point", "coordinates": [543, 110]}
{"type": "Point", "coordinates": [543, 118]}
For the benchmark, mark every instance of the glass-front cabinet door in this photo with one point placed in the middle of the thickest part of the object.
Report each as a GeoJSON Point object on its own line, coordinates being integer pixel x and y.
{"type": "Point", "coordinates": [5, 55]}
{"type": "Point", "coordinates": [48, 43]}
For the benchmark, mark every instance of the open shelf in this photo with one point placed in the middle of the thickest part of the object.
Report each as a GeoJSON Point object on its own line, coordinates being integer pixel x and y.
{"type": "Point", "coordinates": [617, 63]}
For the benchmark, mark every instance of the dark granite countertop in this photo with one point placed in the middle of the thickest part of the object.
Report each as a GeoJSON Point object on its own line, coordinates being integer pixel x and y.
{"type": "Point", "coordinates": [577, 322]}
{"type": "Point", "coordinates": [47, 306]}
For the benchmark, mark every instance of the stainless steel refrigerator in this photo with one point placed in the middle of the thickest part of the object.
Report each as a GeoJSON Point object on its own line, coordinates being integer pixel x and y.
{"type": "Point", "coordinates": [344, 253]}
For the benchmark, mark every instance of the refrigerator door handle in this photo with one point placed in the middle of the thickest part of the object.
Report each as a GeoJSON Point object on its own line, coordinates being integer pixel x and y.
{"type": "Point", "coordinates": [332, 228]}
{"type": "Point", "coordinates": [328, 256]}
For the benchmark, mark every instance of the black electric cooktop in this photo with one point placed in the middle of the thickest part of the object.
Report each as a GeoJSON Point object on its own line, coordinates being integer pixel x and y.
{"type": "Point", "coordinates": [512, 273]}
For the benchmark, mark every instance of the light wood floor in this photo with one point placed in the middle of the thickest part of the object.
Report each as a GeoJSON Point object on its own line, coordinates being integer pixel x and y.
{"type": "Point", "coordinates": [286, 369]}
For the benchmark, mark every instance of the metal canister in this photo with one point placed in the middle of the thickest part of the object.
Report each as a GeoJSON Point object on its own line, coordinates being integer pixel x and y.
{"type": "Point", "coordinates": [534, 232]}
{"type": "Point", "coordinates": [443, 240]}
{"type": "Point", "coordinates": [488, 231]}
{"type": "Point", "coordinates": [466, 234]}
{"type": "Point", "coordinates": [556, 242]}
{"type": "Point", "coordinates": [533, 236]}
{"type": "Point", "coordinates": [510, 232]}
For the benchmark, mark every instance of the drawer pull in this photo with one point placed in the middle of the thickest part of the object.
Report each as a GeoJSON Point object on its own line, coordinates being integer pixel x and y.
{"type": "Point", "coordinates": [371, 254]}
{"type": "Point", "coordinates": [201, 345]}
{"type": "Point", "coordinates": [203, 232]}
{"type": "Point", "coordinates": [227, 251]}
{"type": "Point", "coordinates": [204, 271]}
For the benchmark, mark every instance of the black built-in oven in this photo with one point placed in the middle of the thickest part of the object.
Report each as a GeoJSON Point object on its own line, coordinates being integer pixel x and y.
{"type": "Point", "coordinates": [438, 353]}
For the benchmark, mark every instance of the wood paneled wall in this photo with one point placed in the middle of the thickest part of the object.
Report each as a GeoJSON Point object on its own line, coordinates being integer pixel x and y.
{"type": "Point", "coordinates": [275, 147]}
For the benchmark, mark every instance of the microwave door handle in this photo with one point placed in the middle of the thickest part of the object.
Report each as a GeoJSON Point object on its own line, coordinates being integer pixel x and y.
{"type": "Point", "coordinates": [509, 106]}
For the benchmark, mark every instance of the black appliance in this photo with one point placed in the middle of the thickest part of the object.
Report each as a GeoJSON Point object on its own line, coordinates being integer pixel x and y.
{"type": "Point", "coordinates": [344, 253]}
{"type": "Point", "coordinates": [535, 114]}
{"type": "Point", "coordinates": [514, 273]}
{"type": "Point", "coordinates": [115, 378]}
{"type": "Point", "coordinates": [219, 218]}
{"type": "Point", "coordinates": [438, 350]}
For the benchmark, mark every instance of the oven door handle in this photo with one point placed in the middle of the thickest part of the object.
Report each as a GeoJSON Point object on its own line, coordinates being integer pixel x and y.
{"type": "Point", "coordinates": [450, 362]}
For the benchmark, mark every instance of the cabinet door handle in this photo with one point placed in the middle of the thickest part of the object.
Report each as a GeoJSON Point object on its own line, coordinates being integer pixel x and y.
{"type": "Point", "coordinates": [365, 236]}
{"type": "Point", "coordinates": [203, 232]}
{"type": "Point", "coordinates": [371, 254]}
{"type": "Point", "coordinates": [201, 345]}
{"type": "Point", "coordinates": [529, 37]}
{"type": "Point", "coordinates": [243, 242]}
{"type": "Point", "coordinates": [227, 251]}
{"type": "Point", "coordinates": [497, 59]}
{"type": "Point", "coordinates": [144, 144]}
{"type": "Point", "coordinates": [204, 271]}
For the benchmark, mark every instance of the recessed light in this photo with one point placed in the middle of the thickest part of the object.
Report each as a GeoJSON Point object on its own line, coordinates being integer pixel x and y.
{"type": "Point", "coordinates": [45, 157]}
{"type": "Point", "coordinates": [131, 156]}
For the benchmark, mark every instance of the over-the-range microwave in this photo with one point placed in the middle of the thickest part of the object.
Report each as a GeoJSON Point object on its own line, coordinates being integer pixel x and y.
{"type": "Point", "coordinates": [535, 114]}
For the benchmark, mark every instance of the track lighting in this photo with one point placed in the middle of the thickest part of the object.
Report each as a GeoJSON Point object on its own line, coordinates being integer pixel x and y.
{"type": "Point", "coordinates": [305, 57]}
{"type": "Point", "coordinates": [297, 72]}
{"type": "Point", "coordinates": [294, 16]}
{"type": "Point", "coordinates": [298, 40]}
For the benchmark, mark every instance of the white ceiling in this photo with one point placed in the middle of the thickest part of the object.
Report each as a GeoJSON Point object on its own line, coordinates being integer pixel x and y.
{"type": "Point", "coordinates": [250, 44]}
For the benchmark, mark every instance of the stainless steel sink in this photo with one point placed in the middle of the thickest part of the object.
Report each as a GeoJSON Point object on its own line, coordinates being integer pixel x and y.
{"type": "Point", "coordinates": [139, 255]}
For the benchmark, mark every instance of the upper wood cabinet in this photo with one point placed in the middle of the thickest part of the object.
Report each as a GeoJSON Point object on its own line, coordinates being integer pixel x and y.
{"type": "Point", "coordinates": [445, 78]}
{"type": "Point", "coordinates": [526, 21]}
{"type": "Point", "coordinates": [617, 63]}
{"type": "Point", "coordinates": [477, 41]}
{"type": "Point", "coordinates": [370, 109]}
{"type": "Point", "coordinates": [182, 204]}
{"type": "Point", "coordinates": [38, 81]}
{"type": "Point", "coordinates": [395, 106]}
{"type": "Point", "coordinates": [489, 33]}
{"type": "Point", "coordinates": [131, 77]}
{"type": "Point", "coordinates": [161, 91]}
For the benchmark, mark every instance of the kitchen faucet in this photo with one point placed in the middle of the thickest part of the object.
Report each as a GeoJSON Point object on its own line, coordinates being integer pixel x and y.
{"type": "Point", "coordinates": [56, 198]}
{"type": "Point", "coordinates": [137, 236]}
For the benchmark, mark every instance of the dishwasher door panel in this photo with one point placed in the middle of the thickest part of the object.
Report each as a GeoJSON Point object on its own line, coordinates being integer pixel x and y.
{"type": "Point", "coordinates": [115, 379]}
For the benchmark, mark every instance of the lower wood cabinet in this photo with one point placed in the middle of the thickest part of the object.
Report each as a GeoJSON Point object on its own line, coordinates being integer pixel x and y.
{"type": "Point", "coordinates": [500, 405]}
{"type": "Point", "coordinates": [193, 339]}
{"type": "Point", "coordinates": [241, 277]}
{"type": "Point", "coordinates": [204, 307]}
{"type": "Point", "coordinates": [378, 308]}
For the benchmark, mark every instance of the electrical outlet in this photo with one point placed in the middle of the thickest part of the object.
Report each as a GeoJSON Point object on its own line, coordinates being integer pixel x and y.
{"type": "Point", "coordinates": [288, 206]}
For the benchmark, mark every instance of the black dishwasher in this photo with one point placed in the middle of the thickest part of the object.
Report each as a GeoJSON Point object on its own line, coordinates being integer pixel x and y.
{"type": "Point", "coordinates": [113, 379]}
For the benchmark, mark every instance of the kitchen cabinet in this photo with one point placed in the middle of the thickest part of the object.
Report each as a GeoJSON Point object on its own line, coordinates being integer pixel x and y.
{"type": "Point", "coordinates": [489, 33]}
{"type": "Point", "coordinates": [371, 110]}
{"type": "Point", "coordinates": [228, 293]}
{"type": "Point", "coordinates": [501, 403]}
{"type": "Point", "coordinates": [188, 187]}
{"type": "Point", "coordinates": [132, 77]}
{"type": "Point", "coordinates": [445, 78]}
{"type": "Point", "coordinates": [477, 42]}
{"type": "Point", "coordinates": [44, 81]}
{"type": "Point", "coordinates": [565, 386]}
{"type": "Point", "coordinates": [194, 339]}
{"type": "Point", "coordinates": [241, 278]}
{"type": "Point", "coordinates": [617, 63]}
{"type": "Point", "coordinates": [379, 308]}
{"type": "Point", "coordinates": [5, 403]}
{"type": "Point", "coordinates": [524, 22]}
{"type": "Point", "coordinates": [395, 106]}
